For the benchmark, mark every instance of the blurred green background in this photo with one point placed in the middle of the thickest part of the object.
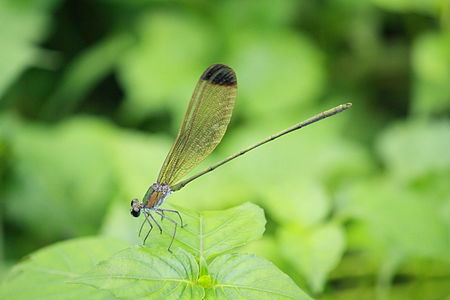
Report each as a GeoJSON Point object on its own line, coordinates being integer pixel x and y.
{"type": "Point", "coordinates": [358, 206]}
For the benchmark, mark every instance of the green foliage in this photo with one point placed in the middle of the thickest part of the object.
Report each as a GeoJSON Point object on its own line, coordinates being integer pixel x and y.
{"type": "Point", "coordinates": [432, 73]}
{"type": "Point", "coordinates": [153, 51]}
{"type": "Point", "coordinates": [47, 273]}
{"type": "Point", "coordinates": [423, 142]}
{"type": "Point", "coordinates": [428, 6]}
{"type": "Point", "coordinates": [357, 206]}
{"type": "Point", "coordinates": [214, 232]}
{"type": "Point", "coordinates": [84, 72]}
{"type": "Point", "coordinates": [40, 163]}
{"type": "Point", "coordinates": [411, 198]}
{"type": "Point", "coordinates": [22, 27]}
{"type": "Point", "coordinates": [141, 273]}
{"type": "Point", "coordinates": [199, 268]}
{"type": "Point", "coordinates": [313, 252]}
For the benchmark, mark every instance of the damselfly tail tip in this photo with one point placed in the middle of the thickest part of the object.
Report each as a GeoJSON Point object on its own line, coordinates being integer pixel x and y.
{"type": "Point", "coordinates": [220, 74]}
{"type": "Point", "coordinates": [347, 105]}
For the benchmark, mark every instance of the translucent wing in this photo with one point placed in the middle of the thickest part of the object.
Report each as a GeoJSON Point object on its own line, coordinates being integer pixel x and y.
{"type": "Point", "coordinates": [204, 124]}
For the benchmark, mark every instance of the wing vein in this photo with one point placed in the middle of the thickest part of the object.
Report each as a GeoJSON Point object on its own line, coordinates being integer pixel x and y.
{"type": "Point", "coordinates": [204, 123]}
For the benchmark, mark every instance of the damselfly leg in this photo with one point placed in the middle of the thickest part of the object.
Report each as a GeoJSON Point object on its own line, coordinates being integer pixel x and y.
{"type": "Point", "coordinates": [174, 230]}
{"type": "Point", "coordinates": [162, 210]}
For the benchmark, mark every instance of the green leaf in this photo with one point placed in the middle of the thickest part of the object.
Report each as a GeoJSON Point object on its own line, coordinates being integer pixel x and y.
{"type": "Point", "coordinates": [140, 273]}
{"type": "Point", "coordinates": [245, 276]}
{"type": "Point", "coordinates": [313, 252]}
{"type": "Point", "coordinates": [46, 273]}
{"type": "Point", "coordinates": [155, 273]}
{"type": "Point", "coordinates": [213, 232]}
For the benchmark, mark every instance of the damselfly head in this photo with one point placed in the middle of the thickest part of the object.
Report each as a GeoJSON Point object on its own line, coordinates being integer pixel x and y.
{"type": "Point", "coordinates": [135, 208]}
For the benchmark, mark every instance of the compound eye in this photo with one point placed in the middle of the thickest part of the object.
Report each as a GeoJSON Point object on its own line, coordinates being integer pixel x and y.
{"type": "Point", "coordinates": [135, 213]}
{"type": "Point", "coordinates": [134, 202]}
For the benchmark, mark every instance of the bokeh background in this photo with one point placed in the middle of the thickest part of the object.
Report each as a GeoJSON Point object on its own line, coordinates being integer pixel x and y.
{"type": "Point", "coordinates": [358, 206]}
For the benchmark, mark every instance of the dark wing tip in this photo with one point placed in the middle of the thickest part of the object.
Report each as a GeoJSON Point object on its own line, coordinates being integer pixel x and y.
{"type": "Point", "coordinates": [220, 74]}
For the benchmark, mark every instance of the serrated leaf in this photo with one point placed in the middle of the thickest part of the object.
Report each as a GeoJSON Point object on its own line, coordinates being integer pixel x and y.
{"type": "Point", "coordinates": [213, 232]}
{"type": "Point", "coordinates": [246, 276]}
{"type": "Point", "coordinates": [141, 273]}
{"type": "Point", "coordinates": [46, 274]}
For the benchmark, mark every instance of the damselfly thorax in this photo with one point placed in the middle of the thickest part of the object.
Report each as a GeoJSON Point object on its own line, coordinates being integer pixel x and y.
{"type": "Point", "coordinates": [153, 198]}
